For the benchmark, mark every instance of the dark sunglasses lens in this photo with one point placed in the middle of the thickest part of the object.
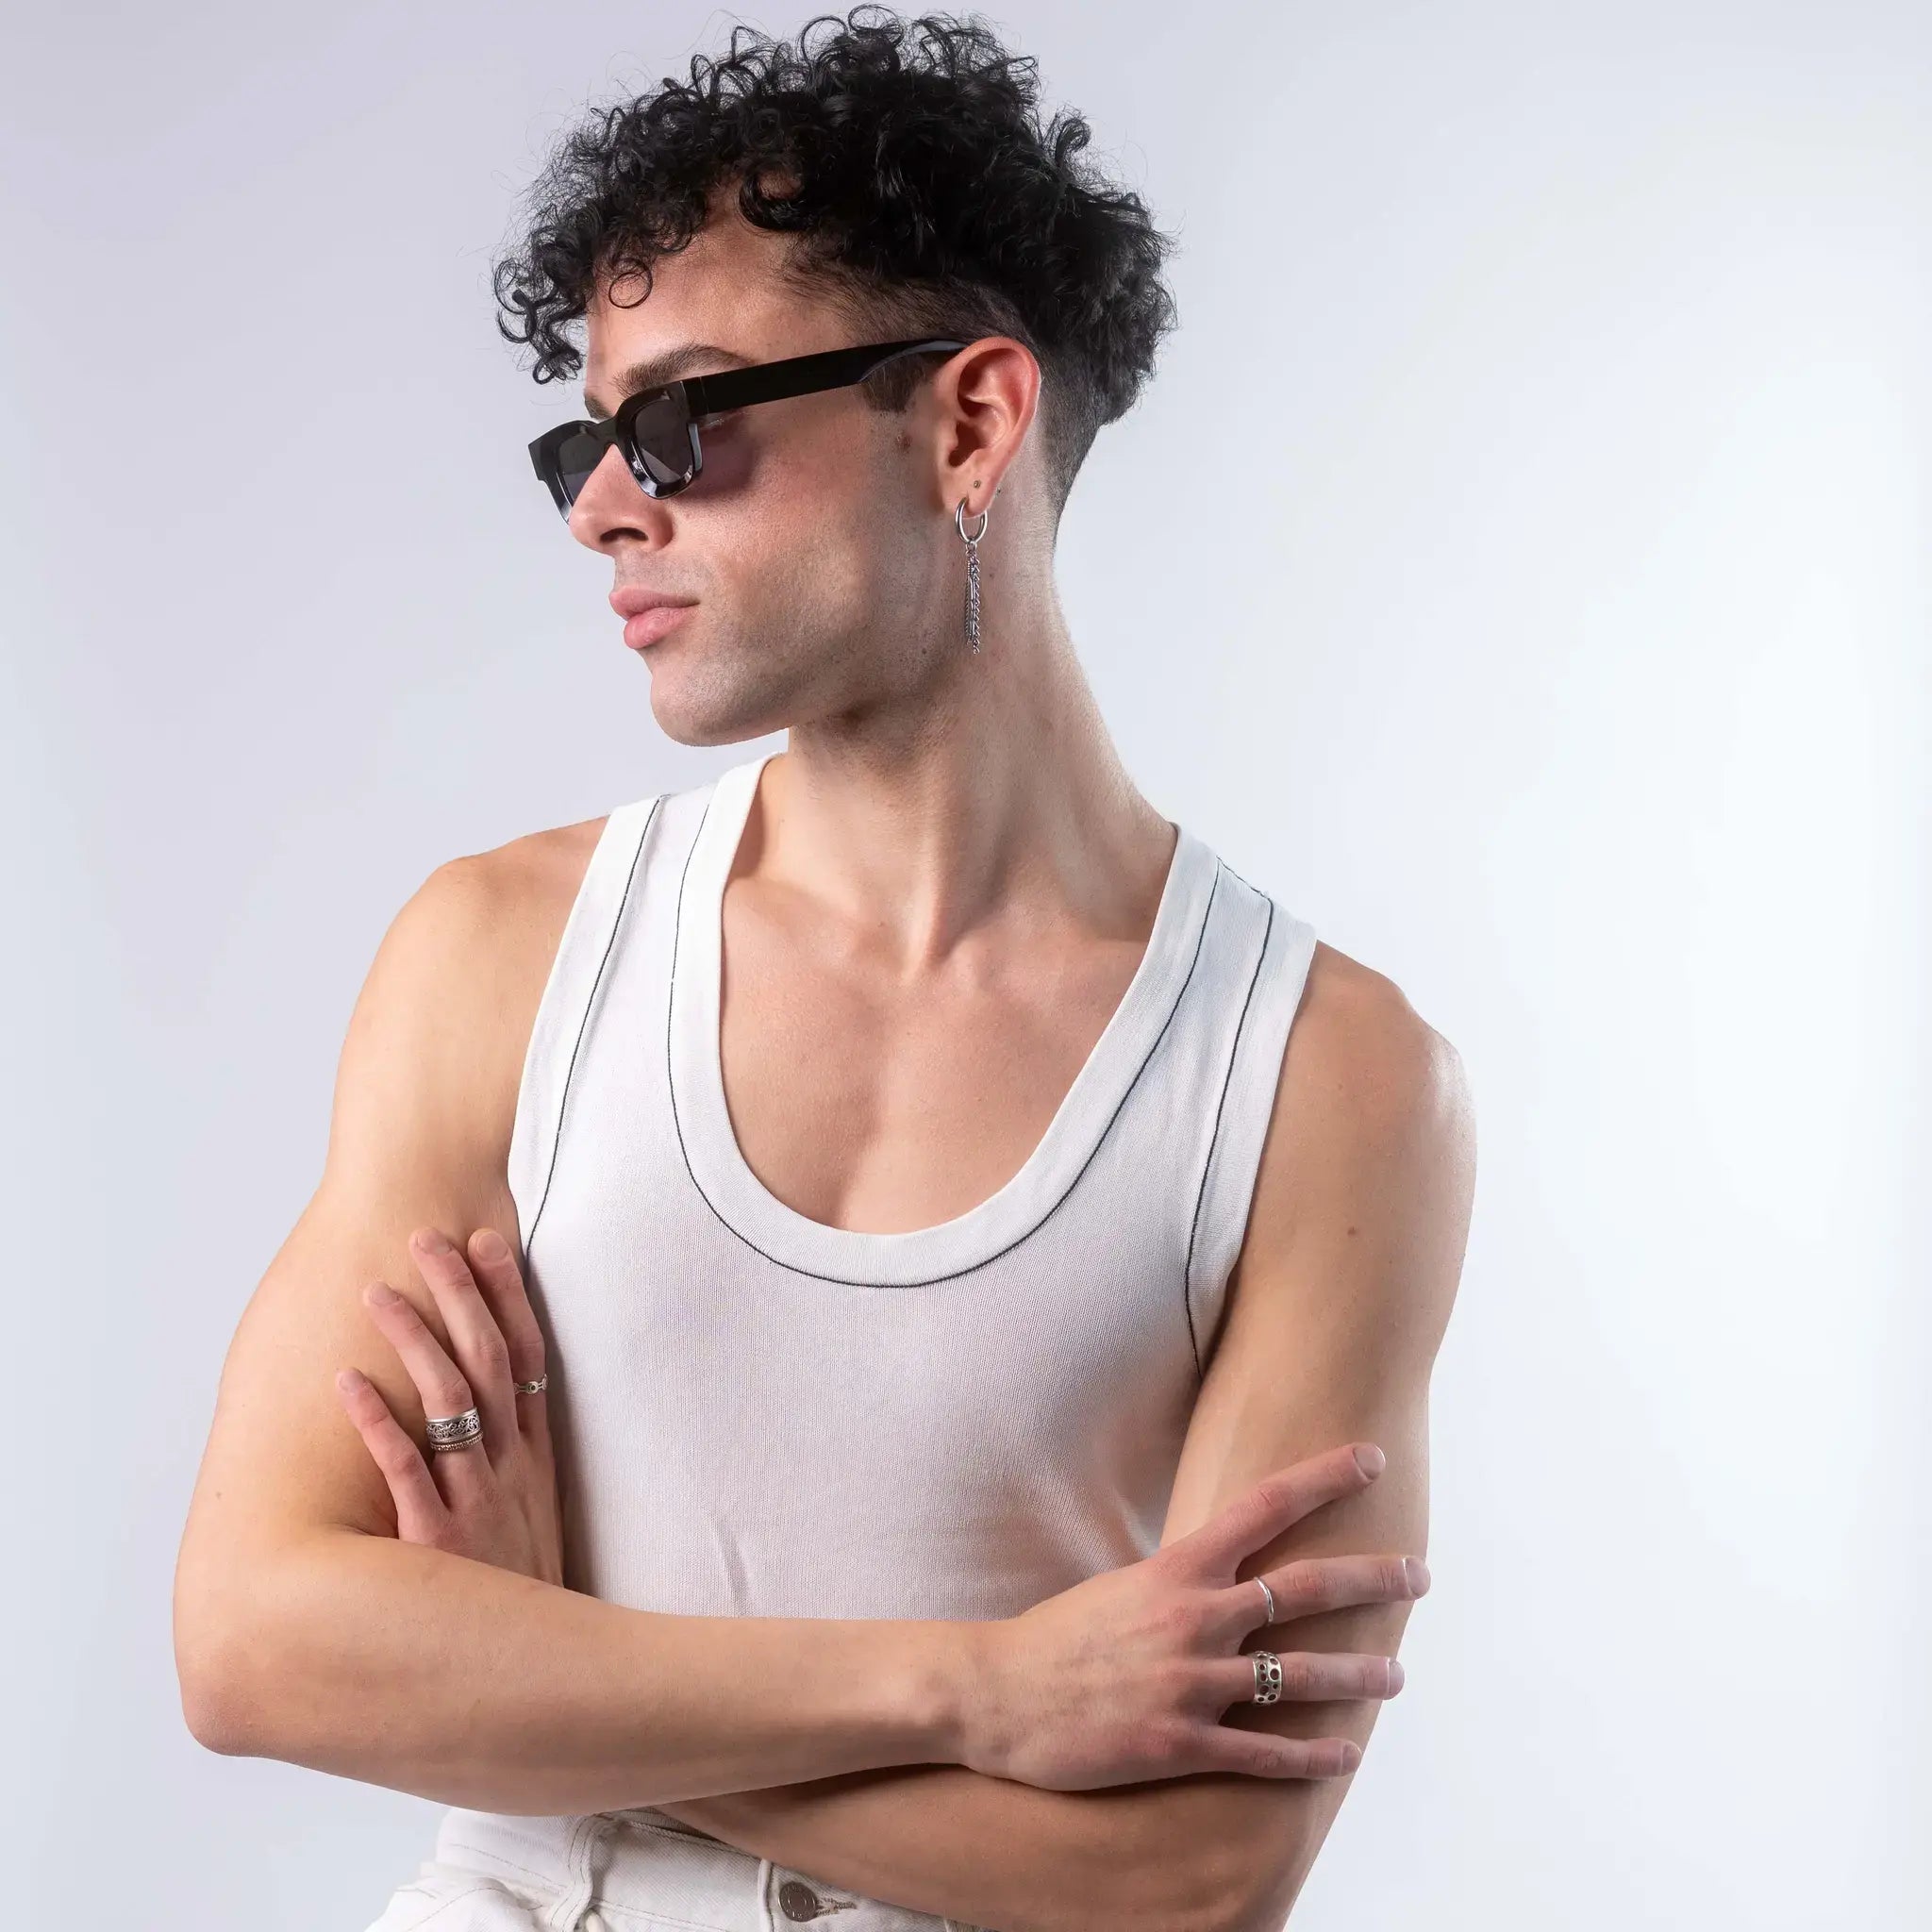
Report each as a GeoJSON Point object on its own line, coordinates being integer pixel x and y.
{"type": "Point", "coordinates": [661, 432]}
{"type": "Point", "coordinates": [576, 457]}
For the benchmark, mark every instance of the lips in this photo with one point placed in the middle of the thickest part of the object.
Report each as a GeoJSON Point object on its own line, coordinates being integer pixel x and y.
{"type": "Point", "coordinates": [648, 625]}
{"type": "Point", "coordinates": [647, 614]}
{"type": "Point", "coordinates": [631, 600]}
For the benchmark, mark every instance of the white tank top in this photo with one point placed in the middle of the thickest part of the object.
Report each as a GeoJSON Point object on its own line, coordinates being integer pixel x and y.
{"type": "Point", "coordinates": [757, 1414]}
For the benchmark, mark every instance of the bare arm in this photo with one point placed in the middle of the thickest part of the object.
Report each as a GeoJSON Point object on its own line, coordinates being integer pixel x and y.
{"type": "Point", "coordinates": [1340, 1300]}
{"type": "Point", "coordinates": [305, 1631]}
{"type": "Point", "coordinates": [984, 1851]}
{"type": "Point", "coordinates": [1354, 1248]}
{"type": "Point", "coordinates": [308, 1628]}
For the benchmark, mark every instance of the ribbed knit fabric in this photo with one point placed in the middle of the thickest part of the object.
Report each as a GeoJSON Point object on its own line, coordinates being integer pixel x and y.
{"type": "Point", "coordinates": [757, 1414]}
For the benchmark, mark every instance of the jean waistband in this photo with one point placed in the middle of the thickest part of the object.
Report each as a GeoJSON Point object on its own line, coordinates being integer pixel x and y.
{"type": "Point", "coordinates": [647, 1870]}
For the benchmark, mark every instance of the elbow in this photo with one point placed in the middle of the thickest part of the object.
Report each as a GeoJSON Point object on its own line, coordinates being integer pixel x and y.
{"type": "Point", "coordinates": [1242, 1916]}
{"type": "Point", "coordinates": [1234, 1909]}
{"type": "Point", "coordinates": [217, 1701]}
{"type": "Point", "coordinates": [210, 1707]}
{"type": "Point", "coordinates": [1183, 1880]}
{"type": "Point", "coordinates": [1240, 1910]}
{"type": "Point", "coordinates": [227, 1651]}
{"type": "Point", "coordinates": [1246, 1882]}
{"type": "Point", "coordinates": [1259, 1897]}
{"type": "Point", "coordinates": [1177, 1855]}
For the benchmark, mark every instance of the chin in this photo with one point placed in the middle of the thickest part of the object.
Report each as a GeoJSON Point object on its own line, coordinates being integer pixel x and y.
{"type": "Point", "coordinates": [713, 725]}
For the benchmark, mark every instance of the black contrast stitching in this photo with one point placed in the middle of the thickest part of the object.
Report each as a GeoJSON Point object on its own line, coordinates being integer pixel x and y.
{"type": "Point", "coordinates": [1027, 1234]}
{"type": "Point", "coordinates": [584, 1021]}
{"type": "Point", "coordinates": [1214, 1138]}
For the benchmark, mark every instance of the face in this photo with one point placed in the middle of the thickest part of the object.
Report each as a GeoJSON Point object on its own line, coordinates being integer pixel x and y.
{"type": "Point", "coordinates": [817, 541]}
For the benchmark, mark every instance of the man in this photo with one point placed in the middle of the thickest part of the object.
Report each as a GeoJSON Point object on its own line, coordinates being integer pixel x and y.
{"type": "Point", "coordinates": [964, 1220]}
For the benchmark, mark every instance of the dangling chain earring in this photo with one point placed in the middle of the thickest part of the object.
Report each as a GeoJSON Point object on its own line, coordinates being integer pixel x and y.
{"type": "Point", "coordinates": [972, 563]}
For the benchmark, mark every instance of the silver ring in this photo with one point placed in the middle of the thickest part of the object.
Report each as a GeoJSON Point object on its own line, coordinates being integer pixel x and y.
{"type": "Point", "coordinates": [455, 1431]}
{"type": "Point", "coordinates": [1268, 1594]}
{"type": "Point", "coordinates": [536, 1388]}
{"type": "Point", "coordinates": [1267, 1675]}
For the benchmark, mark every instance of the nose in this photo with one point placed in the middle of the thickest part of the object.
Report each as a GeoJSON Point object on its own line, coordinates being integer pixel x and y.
{"type": "Point", "coordinates": [612, 505]}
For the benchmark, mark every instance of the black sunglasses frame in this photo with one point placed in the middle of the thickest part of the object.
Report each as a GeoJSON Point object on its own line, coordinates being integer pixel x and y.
{"type": "Point", "coordinates": [692, 397]}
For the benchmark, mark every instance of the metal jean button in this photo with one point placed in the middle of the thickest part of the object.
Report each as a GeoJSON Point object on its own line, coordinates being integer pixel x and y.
{"type": "Point", "coordinates": [797, 1900]}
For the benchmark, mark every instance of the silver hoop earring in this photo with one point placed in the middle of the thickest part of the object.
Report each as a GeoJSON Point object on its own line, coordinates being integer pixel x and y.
{"type": "Point", "coordinates": [972, 565]}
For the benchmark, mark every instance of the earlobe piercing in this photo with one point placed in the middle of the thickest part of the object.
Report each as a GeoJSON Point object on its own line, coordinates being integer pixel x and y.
{"type": "Point", "coordinates": [973, 565]}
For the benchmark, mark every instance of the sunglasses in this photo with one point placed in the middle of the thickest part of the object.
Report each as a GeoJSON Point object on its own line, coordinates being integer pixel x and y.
{"type": "Point", "coordinates": [657, 428]}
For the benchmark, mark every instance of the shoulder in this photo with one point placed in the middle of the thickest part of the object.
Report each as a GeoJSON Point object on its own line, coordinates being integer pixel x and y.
{"type": "Point", "coordinates": [1359, 1045]}
{"type": "Point", "coordinates": [508, 897]}
{"type": "Point", "coordinates": [497, 913]}
{"type": "Point", "coordinates": [1370, 1140]}
{"type": "Point", "coordinates": [1355, 1044]}
{"type": "Point", "coordinates": [445, 1014]}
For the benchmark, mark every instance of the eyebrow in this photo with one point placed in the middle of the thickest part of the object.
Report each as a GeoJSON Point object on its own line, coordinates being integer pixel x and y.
{"type": "Point", "coordinates": [657, 370]}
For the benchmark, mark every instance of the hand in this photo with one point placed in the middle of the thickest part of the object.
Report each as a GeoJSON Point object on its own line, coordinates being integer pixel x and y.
{"type": "Point", "coordinates": [495, 1500]}
{"type": "Point", "coordinates": [1125, 1676]}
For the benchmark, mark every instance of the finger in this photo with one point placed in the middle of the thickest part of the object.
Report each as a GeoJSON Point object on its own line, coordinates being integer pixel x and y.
{"type": "Point", "coordinates": [1215, 1550]}
{"type": "Point", "coordinates": [1306, 1675]}
{"type": "Point", "coordinates": [1261, 1754]}
{"type": "Point", "coordinates": [421, 1513]}
{"type": "Point", "coordinates": [441, 1386]}
{"type": "Point", "coordinates": [1327, 1583]}
{"type": "Point", "coordinates": [494, 1267]}
{"type": "Point", "coordinates": [476, 1343]}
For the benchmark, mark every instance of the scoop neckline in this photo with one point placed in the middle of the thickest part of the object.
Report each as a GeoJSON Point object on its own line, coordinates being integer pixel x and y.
{"type": "Point", "coordinates": [909, 1257]}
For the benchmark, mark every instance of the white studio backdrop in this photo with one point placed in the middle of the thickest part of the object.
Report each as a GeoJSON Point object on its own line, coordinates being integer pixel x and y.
{"type": "Point", "coordinates": [1517, 565]}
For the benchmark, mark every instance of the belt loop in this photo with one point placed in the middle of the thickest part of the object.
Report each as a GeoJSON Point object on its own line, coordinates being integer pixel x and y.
{"type": "Point", "coordinates": [567, 1914]}
{"type": "Point", "coordinates": [766, 1922]}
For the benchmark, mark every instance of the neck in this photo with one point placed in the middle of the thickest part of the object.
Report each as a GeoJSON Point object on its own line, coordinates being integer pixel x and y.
{"type": "Point", "coordinates": [996, 797]}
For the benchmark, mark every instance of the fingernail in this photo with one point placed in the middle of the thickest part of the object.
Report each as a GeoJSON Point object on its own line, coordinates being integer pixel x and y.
{"type": "Point", "coordinates": [1397, 1675]}
{"type": "Point", "coordinates": [434, 1240]}
{"type": "Point", "coordinates": [491, 1244]}
{"type": "Point", "coordinates": [349, 1380]}
{"type": "Point", "coordinates": [381, 1293]}
{"type": "Point", "coordinates": [1370, 1459]}
{"type": "Point", "coordinates": [1418, 1573]}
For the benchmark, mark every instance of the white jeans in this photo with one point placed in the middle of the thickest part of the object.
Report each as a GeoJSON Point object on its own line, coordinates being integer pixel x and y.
{"type": "Point", "coordinates": [621, 1872]}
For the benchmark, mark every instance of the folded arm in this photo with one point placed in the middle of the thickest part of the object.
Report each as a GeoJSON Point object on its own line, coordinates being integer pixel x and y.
{"type": "Point", "coordinates": [1338, 1303]}
{"type": "Point", "coordinates": [1152, 1857]}
{"type": "Point", "coordinates": [305, 1631]}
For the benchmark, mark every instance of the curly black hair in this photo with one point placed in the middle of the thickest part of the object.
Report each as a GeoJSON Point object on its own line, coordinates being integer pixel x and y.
{"type": "Point", "coordinates": [910, 164]}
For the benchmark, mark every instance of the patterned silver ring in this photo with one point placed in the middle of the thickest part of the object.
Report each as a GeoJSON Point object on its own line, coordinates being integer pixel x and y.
{"type": "Point", "coordinates": [1270, 1595]}
{"type": "Point", "coordinates": [536, 1388]}
{"type": "Point", "coordinates": [1267, 1675]}
{"type": "Point", "coordinates": [455, 1431]}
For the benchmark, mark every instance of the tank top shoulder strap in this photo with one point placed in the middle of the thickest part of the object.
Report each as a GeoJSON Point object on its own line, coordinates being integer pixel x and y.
{"type": "Point", "coordinates": [565, 1007]}
{"type": "Point", "coordinates": [1269, 996]}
